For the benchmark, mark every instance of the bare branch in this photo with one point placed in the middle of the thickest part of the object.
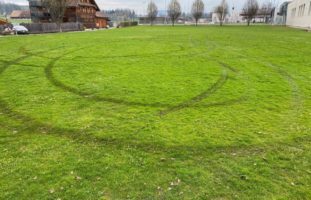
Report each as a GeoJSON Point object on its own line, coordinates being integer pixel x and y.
{"type": "Point", "coordinates": [174, 11]}
{"type": "Point", "coordinates": [250, 10]}
{"type": "Point", "coordinates": [56, 9]}
{"type": "Point", "coordinates": [152, 11]}
{"type": "Point", "coordinates": [197, 10]}
{"type": "Point", "coordinates": [222, 10]}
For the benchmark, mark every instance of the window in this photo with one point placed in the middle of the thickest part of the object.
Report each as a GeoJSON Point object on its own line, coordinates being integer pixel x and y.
{"type": "Point", "coordinates": [301, 10]}
{"type": "Point", "coordinates": [293, 12]}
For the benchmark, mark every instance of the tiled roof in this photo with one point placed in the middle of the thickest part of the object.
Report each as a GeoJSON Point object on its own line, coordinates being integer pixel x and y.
{"type": "Point", "coordinates": [3, 21]}
{"type": "Point", "coordinates": [100, 15]}
{"type": "Point", "coordinates": [20, 14]}
{"type": "Point", "coordinates": [76, 3]}
{"type": "Point", "coordinates": [71, 3]}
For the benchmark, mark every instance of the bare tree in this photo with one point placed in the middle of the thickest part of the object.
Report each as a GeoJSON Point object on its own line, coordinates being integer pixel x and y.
{"type": "Point", "coordinates": [152, 12]}
{"type": "Point", "coordinates": [266, 9]}
{"type": "Point", "coordinates": [174, 11]}
{"type": "Point", "coordinates": [250, 10]}
{"type": "Point", "coordinates": [197, 10]}
{"type": "Point", "coordinates": [221, 11]}
{"type": "Point", "coordinates": [56, 9]}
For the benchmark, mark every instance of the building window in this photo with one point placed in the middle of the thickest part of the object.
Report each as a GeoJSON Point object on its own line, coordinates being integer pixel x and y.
{"type": "Point", "coordinates": [301, 10]}
{"type": "Point", "coordinates": [293, 12]}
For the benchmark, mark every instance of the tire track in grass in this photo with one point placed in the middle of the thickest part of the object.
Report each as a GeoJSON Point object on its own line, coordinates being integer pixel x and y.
{"type": "Point", "coordinates": [296, 94]}
{"type": "Point", "coordinates": [169, 108]}
{"type": "Point", "coordinates": [297, 99]}
{"type": "Point", "coordinates": [291, 81]}
{"type": "Point", "coordinates": [205, 94]}
{"type": "Point", "coordinates": [85, 94]}
{"type": "Point", "coordinates": [7, 64]}
{"type": "Point", "coordinates": [88, 95]}
{"type": "Point", "coordinates": [210, 91]}
{"type": "Point", "coordinates": [32, 126]}
{"type": "Point", "coordinates": [77, 135]}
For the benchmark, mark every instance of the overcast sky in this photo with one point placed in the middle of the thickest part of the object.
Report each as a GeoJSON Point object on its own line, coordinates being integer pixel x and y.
{"type": "Point", "coordinates": [140, 5]}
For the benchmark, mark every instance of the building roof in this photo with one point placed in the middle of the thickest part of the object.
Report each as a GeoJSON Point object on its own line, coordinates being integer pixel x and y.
{"type": "Point", "coordinates": [76, 3]}
{"type": "Point", "coordinates": [71, 3]}
{"type": "Point", "coordinates": [3, 21]}
{"type": "Point", "coordinates": [100, 15]}
{"type": "Point", "coordinates": [20, 14]}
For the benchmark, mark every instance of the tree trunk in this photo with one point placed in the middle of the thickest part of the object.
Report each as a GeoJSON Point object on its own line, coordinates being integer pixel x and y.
{"type": "Point", "coordinates": [248, 22]}
{"type": "Point", "coordinates": [196, 22]}
{"type": "Point", "coordinates": [60, 27]}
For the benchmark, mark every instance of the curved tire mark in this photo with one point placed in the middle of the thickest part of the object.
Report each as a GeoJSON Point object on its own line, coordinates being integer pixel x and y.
{"type": "Point", "coordinates": [216, 86]}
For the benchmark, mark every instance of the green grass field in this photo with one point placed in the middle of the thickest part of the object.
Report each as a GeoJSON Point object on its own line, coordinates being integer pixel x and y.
{"type": "Point", "coordinates": [156, 113]}
{"type": "Point", "coordinates": [19, 21]}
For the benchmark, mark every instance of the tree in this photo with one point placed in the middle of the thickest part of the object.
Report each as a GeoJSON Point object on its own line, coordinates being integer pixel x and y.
{"type": "Point", "coordinates": [174, 11]}
{"type": "Point", "coordinates": [221, 11]}
{"type": "Point", "coordinates": [152, 11]}
{"type": "Point", "coordinates": [56, 9]}
{"type": "Point", "coordinates": [120, 15]}
{"type": "Point", "coordinates": [266, 9]}
{"type": "Point", "coordinates": [7, 8]}
{"type": "Point", "coordinates": [197, 10]}
{"type": "Point", "coordinates": [250, 10]}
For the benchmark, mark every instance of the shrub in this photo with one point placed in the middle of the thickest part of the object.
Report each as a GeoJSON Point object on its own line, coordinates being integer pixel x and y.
{"type": "Point", "coordinates": [126, 24]}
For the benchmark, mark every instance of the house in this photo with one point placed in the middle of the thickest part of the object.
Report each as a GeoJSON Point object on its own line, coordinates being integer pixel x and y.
{"type": "Point", "coordinates": [20, 14]}
{"type": "Point", "coordinates": [299, 14]}
{"type": "Point", "coordinates": [216, 20]}
{"type": "Point", "coordinates": [101, 20]}
{"type": "Point", "coordinates": [262, 16]}
{"type": "Point", "coordinates": [86, 12]}
{"type": "Point", "coordinates": [235, 17]}
{"type": "Point", "coordinates": [3, 21]}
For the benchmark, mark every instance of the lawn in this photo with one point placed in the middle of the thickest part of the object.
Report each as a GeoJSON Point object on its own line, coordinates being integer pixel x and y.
{"type": "Point", "coordinates": [156, 113]}
{"type": "Point", "coordinates": [19, 21]}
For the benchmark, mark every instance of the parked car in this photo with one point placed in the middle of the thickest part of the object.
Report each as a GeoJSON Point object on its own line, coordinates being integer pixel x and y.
{"type": "Point", "coordinates": [20, 29]}
{"type": "Point", "coordinates": [7, 31]}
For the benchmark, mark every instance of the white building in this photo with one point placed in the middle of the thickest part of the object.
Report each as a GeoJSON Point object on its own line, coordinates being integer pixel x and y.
{"type": "Point", "coordinates": [216, 20]}
{"type": "Point", "coordinates": [232, 18]}
{"type": "Point", "coordinates": [235, 17]}
{"type": "Point", "coordinates": [299, 14]}
{"type": "Point", "coordinates": [280, 14]}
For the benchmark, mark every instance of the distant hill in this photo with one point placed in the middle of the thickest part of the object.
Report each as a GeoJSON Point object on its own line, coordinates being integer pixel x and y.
{"type": "Point", "coordinates": [7, 8]}
{"type": "Point", "coordinates": [24, 7]}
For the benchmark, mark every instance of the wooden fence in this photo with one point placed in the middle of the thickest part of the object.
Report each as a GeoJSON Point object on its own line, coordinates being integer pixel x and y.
{"type": "Point", "coordinates": [2, 27]}
{"type": "Point", "coordinates": [35, 28]}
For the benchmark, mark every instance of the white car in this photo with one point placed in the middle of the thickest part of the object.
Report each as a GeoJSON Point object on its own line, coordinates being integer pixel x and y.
{"type": "Point", "coordinates": [20, 29]}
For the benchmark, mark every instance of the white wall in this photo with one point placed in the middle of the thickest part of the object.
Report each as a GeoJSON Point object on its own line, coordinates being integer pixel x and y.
{"type": "Point", "coordinates": [297, 16]}
{"type": "Point", "coordinates": [215, 18]}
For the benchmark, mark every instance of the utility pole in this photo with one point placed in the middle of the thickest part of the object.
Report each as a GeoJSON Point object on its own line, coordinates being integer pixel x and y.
{"type": "Point", "coordinates": [165, 10]}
